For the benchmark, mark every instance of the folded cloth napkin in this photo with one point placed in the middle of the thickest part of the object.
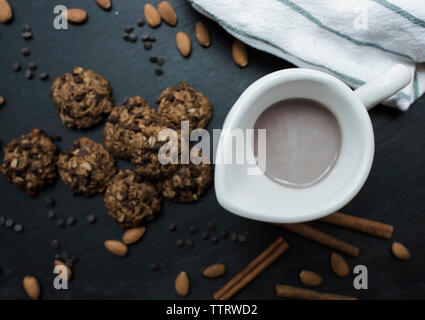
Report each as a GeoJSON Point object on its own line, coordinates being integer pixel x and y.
{"type": "Point", "coordinates": [355, 40]}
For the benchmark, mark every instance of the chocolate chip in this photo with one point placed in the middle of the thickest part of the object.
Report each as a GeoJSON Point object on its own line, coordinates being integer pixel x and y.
{"type": "Point", "coordinates": [234, 237]}
{"type": "Point", "coordinates": [215, 240]}
{"type": "Point", "coordinates": [2, 220]}
{"type": "Point", "coordinates": [153, 59]}
{"type": "Point", "coordinates": [211, 226]}
{"type": "Point", "coordinates": [32, 66]}
{"type": "Point", "coordinates": [147, 46]}
{"type": "Point", "coordinates": [60, 223]}
{"type": "Point", "coordinates": [91, 218]}
{"type": "Point", "coordinates": [141, 22]}
{"type": "Point", "coordinates": [29, 75]}
{"type": "Point", "coordinates": [56, 244]}
{"type": "Point", "coordinates": [44, 76]}
{"type": "Point", "coordinates": [242, 238]}
{"type": "Point", "coordinates": [9, 223]}
{"type": "Point", "coordinates": [18, 228]}
{"type": "Point", "coordinates": [132, 37]}
{"type": "Point", "coordinates": [154, 267]}
{"type": "Point", "coordinates": [72, 262]}
{"type": "Point", "coordinates": [16, 66]}
{"type": "Point", "coordinates": [193, 230]}
{"type": "Point", "coordinates": [126, 37]}
{"type": "Point", "coordinates": [145, 38]}
{"type": "Point", "coordinates": [25, 52]}
{"type": "Point", "coordinates": [224, 234]}
{"type": "Point", "coordinates": [160, 61]}
{"type": "Point", "coordinates": [172, 227]}
{"type": "Point", "coordinates": [51, 215]}
{"type": "Point", "coordinates": [159, 71]}
{"type": "Point", "coordinates": [189, 243]}
{"type": "Point", "coordinates": [179, 243]}
{"type": "Point", "coordinates": [128, 29]}
{"type": "Point", "coordinates": [27, 35]}
{"type": "Point", "coordinates": [49, 201]}
{"type": "Point", "coordinates": [152, 38]}
{"type": "Point", "coordinates": [70, 221]}
{"type": "Point", "coordinates": [26, 28]}
{"type": "Point", "coordinates": [64, 256]}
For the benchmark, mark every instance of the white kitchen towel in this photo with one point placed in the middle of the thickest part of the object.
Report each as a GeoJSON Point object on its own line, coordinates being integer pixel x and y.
{"type": "Point", "coordinates": [355, 40]}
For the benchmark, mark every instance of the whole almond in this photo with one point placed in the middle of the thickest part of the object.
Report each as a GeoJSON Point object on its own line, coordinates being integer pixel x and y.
{"type": "Point", "coordinates": [214, 271]}
{"type": "Point", "coordinates": [167, 13]}
{"type": "Point", "coordinates": [69, 272]}
{"type": "Point", "coordinates": [339, 265]}
{"type": "Point", "coordinates": [116, 247]}
{"type": "Point", "coordinates": [32, 287]}
{"type": "Point", "coordinates": [310, 278]}
{"type": "Point", "coordinates": [202, 34]}
{"type": "Point", "coordinates": [182, 284]}
{"type": "Point", "coordinates": [104, 4]}
{"type": "Point", "coordinates": [1, 101]}
{"type": "Point", "coordinates": [240, 54]}
{"type": "Point", "coordinates": [75, 15]}
{"type": "Point", "coordinates": [183, 43]}
{"type": "Point", "coordinates": [133, 235]}
{"type": "Point", "coordinates": [5, 11]}
{"type": "Point", "coordinates": [399, 251]}
{"type": "Point", "coordinates": [152, 16]}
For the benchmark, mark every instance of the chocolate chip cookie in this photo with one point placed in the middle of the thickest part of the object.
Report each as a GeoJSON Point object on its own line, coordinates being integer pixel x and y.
{"type": "Point", "coordinates": [129, 127]}
{"type": "Point", "coordinates": [188, 183]}
{"type": "Point", "coordinates": [130, 199]}
{"type": "Point", "coordinates": [30, 162]}
{"type": "Point", "coordinates": [82, 98]}
{"type": "Point", "coordinates": [183, 103]}
{"type": "Point", "coordinates": [87, 168]}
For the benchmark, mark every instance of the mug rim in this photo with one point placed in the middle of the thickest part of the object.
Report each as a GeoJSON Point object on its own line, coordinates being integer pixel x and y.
{"type": "Point", "coordinates": [259, 88]}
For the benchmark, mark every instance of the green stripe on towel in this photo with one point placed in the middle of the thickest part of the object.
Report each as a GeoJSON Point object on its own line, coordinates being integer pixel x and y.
{"type": "Point", "coordinates": [317, 22]}
{"type": "Point", "coordinates": [401, 12]}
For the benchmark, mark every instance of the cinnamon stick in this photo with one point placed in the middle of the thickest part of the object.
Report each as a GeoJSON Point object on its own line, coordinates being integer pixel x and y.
{"type": "Point", "coordinates": [374, 228]}
{"type": "Point", "coordinates": [322, 238]}
{"type": "Point", "coordinates": [307, 294]}
{"type": "Point", "coordinates": [252, 270]}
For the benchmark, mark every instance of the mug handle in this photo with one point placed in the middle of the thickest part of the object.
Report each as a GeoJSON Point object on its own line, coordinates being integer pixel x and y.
{"type": "Point", "coordinates": [384, 86]}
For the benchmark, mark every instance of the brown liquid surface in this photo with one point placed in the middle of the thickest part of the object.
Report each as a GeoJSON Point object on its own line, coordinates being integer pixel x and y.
{"type": "Point", "coordinates": [303, 142]}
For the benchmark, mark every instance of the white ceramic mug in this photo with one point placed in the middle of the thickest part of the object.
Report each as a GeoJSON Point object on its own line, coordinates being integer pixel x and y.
{"type": "Point", "coordinates": [259, 198]}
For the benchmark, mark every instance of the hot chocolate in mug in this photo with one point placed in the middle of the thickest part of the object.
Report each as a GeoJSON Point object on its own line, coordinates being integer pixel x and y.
{"type": "Point", "coordinates": [260, 197]}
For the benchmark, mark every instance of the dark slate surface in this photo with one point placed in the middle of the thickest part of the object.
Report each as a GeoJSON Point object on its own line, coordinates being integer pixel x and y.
{"type": "Point", "coordinates": [394, 192]}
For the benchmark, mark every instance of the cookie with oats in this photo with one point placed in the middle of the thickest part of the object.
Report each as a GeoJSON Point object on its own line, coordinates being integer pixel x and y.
{"type": "Point", "coordinates": [87, 168]}
{"type": "Point", "coordinates": [188, 183]}
{"type": "Point", "coordinates": [129, 127]}
{"type": "Point", "coordinates": [152, 160]}
{"type": "Point", "coordinates": [82, 98]}
{"type": "Point", "coordinates": [30, 162]}
{"type": "Point", "coordinates": [183, 103]}
{"type": "Point", "coordinates": [130, 199]}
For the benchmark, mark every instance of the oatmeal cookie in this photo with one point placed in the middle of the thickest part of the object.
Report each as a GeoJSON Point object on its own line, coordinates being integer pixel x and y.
{"type": "Point", "coordinates": [149, 159]}
{"type": "Point", "coordinates": [183, 103]}
{"type": "Point", "coordinates": [129, 127]}
{"type": "Point", "coordinates": [82, 98]}
{"type": "Point", "coordinates": [188, 183]}
{"type": "Point", "coordinates": [88, 168]}
{"type": "Point", "coordinates": [30, 162]}
{"type": "Point", "coordinates": [130, 199]}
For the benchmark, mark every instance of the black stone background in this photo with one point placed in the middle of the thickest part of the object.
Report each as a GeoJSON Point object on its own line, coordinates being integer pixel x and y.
{"type": "Point", "coordinates": [394, 192]}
